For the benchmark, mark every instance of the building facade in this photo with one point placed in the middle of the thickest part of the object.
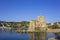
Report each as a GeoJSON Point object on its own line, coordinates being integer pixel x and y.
{"type": "Point", "coordinates": [37, 24]}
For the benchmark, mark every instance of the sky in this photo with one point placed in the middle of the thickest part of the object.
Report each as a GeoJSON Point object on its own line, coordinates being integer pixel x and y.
{"type": "Point", "coordinates": [26, 10]}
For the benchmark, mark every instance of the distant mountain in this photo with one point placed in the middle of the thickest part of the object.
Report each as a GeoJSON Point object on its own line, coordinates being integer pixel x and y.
{"type": "Point", "coordinates": [2, 21]}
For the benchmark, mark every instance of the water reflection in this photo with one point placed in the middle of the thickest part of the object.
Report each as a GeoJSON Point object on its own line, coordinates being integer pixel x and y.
{"type": "Point", "coordinates": [50, 35]}
{"type": "Point", "coordinates": [13, 36]}
{"type": "Point", "coordinates": [17, 36]}
{"type": "Point", "coordinates": [24, 36]}
{"type": "Point", "coordinates": [53, 36]}
{"type": "Point", "coordinates": [57, 36]}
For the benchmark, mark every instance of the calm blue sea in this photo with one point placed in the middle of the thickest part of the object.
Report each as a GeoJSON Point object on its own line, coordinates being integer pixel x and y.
{"type": "Point", "coordinates": [16, 36]}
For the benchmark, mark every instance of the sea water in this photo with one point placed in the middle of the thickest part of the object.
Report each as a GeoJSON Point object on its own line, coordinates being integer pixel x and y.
{"type": "Point", "coordinates": [17, 36]}
{"type": "Point", "coordinates": [13, 36]}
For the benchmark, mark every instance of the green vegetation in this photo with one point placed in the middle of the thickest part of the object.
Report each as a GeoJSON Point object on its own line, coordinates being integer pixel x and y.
{"type": "Point", "coordinates": [23, 24]}
{"type": "Point", "coordinates": [54, 26]}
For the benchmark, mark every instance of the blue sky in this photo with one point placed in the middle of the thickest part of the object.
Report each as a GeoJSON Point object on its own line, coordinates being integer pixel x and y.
{"type": "Point", "coordinates": [25, 10]}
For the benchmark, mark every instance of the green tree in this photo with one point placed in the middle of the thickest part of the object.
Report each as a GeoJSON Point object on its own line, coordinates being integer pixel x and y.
{"type": "Point", "coordinates": [25, 24]}
{"type": "Point", "coordinates": [55, 26]}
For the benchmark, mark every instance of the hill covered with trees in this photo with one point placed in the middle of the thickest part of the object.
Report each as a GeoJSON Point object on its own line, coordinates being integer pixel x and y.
{"type": "Point", "coordinates": [23, 24]}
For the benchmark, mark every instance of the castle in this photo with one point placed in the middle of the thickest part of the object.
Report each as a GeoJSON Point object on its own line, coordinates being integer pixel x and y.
{"type": "Point", "coordinates": [37, 24]}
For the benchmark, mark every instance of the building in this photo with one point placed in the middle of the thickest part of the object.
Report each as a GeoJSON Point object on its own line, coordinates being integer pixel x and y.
{"type": "Point", "coordinates": [32, 25]}
{"type": "Point", "coordinates": [37, 24]}
{"type": "Point", "coordinates": [38, 27]}
{"type": "Point", "coordinates": [19, 24]}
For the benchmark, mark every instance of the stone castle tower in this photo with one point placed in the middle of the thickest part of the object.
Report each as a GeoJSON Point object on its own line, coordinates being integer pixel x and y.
{"type": "Point", "coordinates": [40, 19]}
{"type": "Point", "coordinates": [37, 24]}
{"type": "Point", "coordinates": [38, 27]}
{"type": "Point", "coordinates": [32, 25]}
